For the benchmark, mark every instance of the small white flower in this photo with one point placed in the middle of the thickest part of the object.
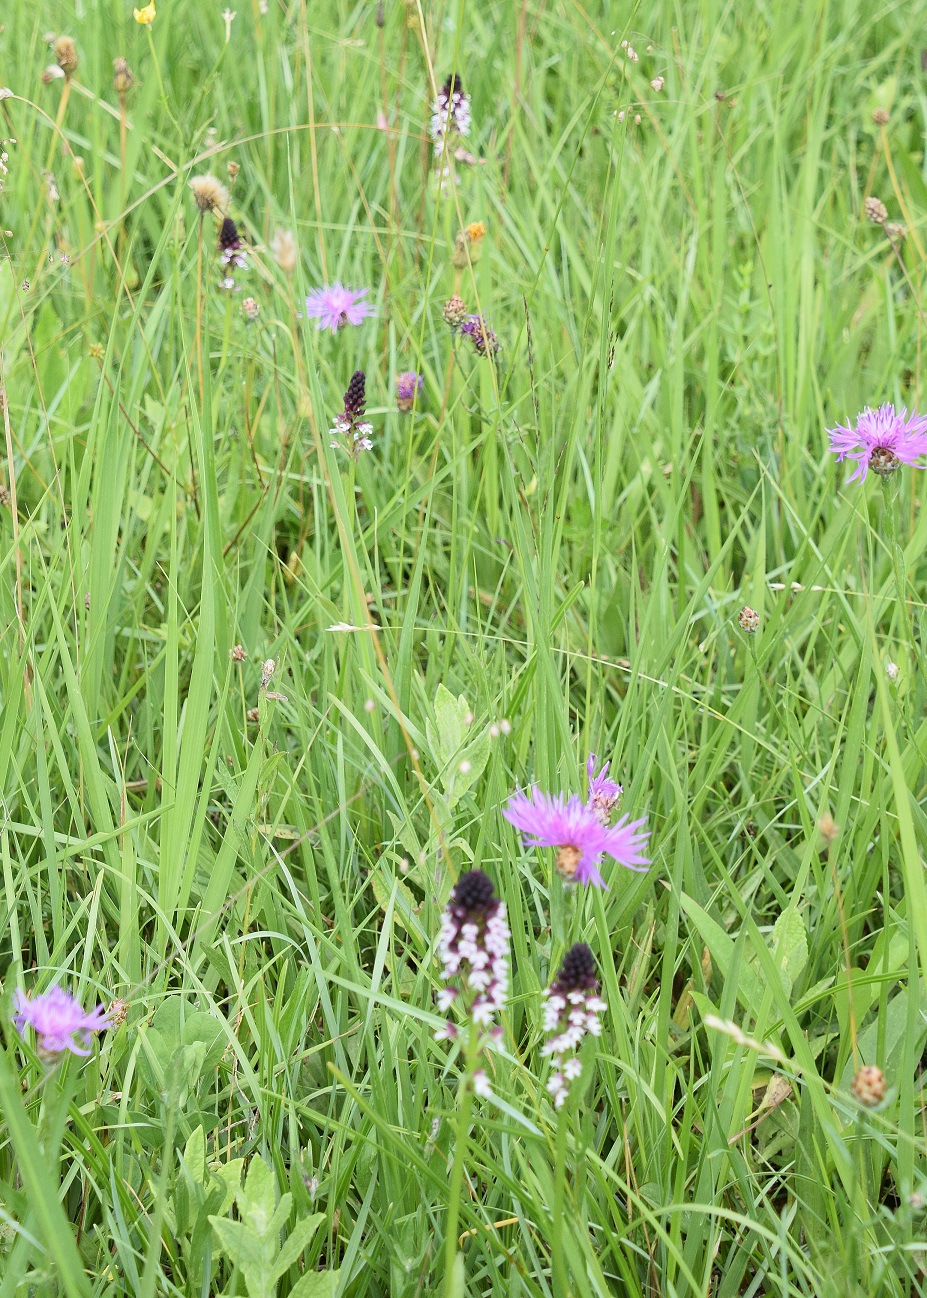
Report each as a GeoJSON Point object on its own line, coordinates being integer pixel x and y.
{"type": "Point", "coordinates": [481, 1083]}
{"type": "Point", "coordinates": [891, 671]}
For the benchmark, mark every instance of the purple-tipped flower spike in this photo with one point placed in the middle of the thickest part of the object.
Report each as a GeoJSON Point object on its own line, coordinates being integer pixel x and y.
{"type": "Point", "coordinates": [577, 833]}
{"type": "Point", "coordinates": [408, 386]}
{"type": "Point", "coordinates": [335, 305]}
{"type": "Point", "coordinates": [59, 1022]}
{"type": "Point", "coordinates": [604, 794]}
{"type": "Point", "coordinates": [473, 947]}
{"type": "Point", "coordinates": [450, 114]}
{"type": "Point", "coordinates": [350, 432]}
{"type": "Point", "coordinates": [230, 248]}
{"type": "Point", "coordinates": [572, 1009]}
{"type": "Point", "coordinates": [882, 440]}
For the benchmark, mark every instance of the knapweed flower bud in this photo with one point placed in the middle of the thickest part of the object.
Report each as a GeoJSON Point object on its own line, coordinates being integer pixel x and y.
{"type": "Point", "coordinates": [455, 312]}
{"type": "Point", "coordinates": [408, 385]}
{"type": "Point", "coordinates": [572, 1010]}
{"type": "Point", "coordinates": [881, 116]}
{"type": "Point", "coordinates": [65, 52]}
{"type": "Point", "coordinates": [122, 77]}
{"type": "Point", "coordinates": [283, 250]}
{"type": "Point", "coordinates": [869, 1085]}
{"type": "Point", "coordinates": [748, 620]}
{"type": "Point", "coordinates": [876, 211]}
{"type": "Point", "coordinates": [210, 194]}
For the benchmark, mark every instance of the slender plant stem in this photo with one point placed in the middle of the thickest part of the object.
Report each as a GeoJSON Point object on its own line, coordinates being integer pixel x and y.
{"type": "Point", "coordinates": [457, 1168]}
{"type": "Point", "coordinates": [199, 309]}
{"type": "Point", "coordinates": [558, 1261]}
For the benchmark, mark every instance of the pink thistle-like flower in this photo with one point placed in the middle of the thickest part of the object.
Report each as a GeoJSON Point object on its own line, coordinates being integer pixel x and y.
{"type": "Point", "coordinates": [59, 1022]}
{"type": "Point", "coordinates": [334, 306]}
{"type": "Point", "coordinates": [882, 440]}
{"type": "Point", "coordinates": [604, 794]}
{"type": "Point", "coordinates": [578, 834]}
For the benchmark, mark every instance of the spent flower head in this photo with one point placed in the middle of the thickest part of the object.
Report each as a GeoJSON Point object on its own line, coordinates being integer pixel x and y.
{"type": "Point", "coordinates": [283, 250]}
{"type": "Point", "coordinates": [59, 1022]}
{"type": "Point", "coordinates": [65, 52]}
{"type": "Point", "coordinates": [485, 342]}
{"type": "Point", "coordinates": [882, 440]}
{"type": "Point", "coordinates": [572, 1008]}
{"type": "Point", "coordinates": [577, 832]}
{"type": "Point", "coordinates": [334, 305]}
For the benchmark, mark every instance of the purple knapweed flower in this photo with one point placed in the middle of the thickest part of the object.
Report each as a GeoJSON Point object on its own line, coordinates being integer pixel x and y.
{"type": "Point", "coordinates": [604, 794]}
{"type": "Point", "coordinates": [450, 114]}
{"type": "Point", "coordinates": [350, 432]}
{"type": "Point", "coordinates": [572, 1008]}
{"type": "Point", "coordinates": [577, 833]}
{"type": "Point", "coordinates": [485, 342]}
{"type": "Point", "coordinates": [408, 385]}
{"type": "Point", "coordinates": [882, 440]}
{"type": "Point", "coordinates": [335, 305]}
{"type": "Point", "coordinates": [59, 1022]}
{"type": "Point", "coordinates": [473, 947]}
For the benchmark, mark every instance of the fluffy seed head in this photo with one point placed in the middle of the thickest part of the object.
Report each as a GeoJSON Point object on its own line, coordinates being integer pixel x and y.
{"type": "Point", "coordinates": [65, 52]}
{"type": "Point", "coordinates": [283, 250]}
{"type": "Point", "coordinates": [209, 194]}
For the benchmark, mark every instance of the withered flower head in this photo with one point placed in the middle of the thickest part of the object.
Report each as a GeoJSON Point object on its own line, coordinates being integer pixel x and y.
{"type": "Point", "coordinates": [65, 52]}
{"type": "Point", "coordinates": [210, 194]}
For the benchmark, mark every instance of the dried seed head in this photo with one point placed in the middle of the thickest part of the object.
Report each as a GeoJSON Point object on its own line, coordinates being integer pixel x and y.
{"type": "Point", "coordinates": [828, 828]}
{"type": "Point", "coordinates": [881, 116]}
{"type": "Point", "coordinates": [455, 312]}
{"type": "Point", "coordinates": [283, 250]}
{"type": "Point", "coordinates": [122, 77]}
{"type": "Point", "coordinates": [268, 667]}
{"type": "Point", "coordinates": [238, 654]}
{"type": "Point", "coordinates": [657, 84]}
{"type": "Point", "coordinates": [118, 1013]}
{"type": "Point", "coordinates": [869, 1085]}
{"type": "Point", "coordinates": [748, 620]}
{"type": "Point", "coordinates": [233, 169]}
{"type": "Point", "coordinates": [876, 211]}
{"type": "Point", "coordinates": [210, 194]}
{"type": "Point", "coordinates": [65, 52]}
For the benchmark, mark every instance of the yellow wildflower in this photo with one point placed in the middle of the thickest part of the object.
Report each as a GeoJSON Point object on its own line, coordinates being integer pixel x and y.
{"type": "Point", "coordinates": [145, 16]}
{"type": "Point", "coordinates": [476, 231]}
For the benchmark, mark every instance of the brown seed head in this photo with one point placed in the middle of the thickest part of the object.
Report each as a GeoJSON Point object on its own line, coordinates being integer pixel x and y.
{"type": "Point", "coordinates": [869, 1085]}
{"type": "Point", "coordinates": [65, 52]}
{"type": "Point", "coordinates": [881, 116]}
{"type": "Point", "coordinates": [210, 194]}
{"type": "Point", "coordinates": [238, 654]}
{"type": "Point", "coordinates": [828, 827]}
{"type": "Point", "coordinates": [122, 77]}
{"type": "Point", "coordinates": [233, 169]}
{"type": "Point", "coordinates": [876, 211]}
{"type": "Point", "coordinates": [748, 620]}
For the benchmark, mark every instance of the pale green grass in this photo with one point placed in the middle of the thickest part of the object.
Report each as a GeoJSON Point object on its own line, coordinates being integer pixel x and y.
{"type": "Point", "coordinates": [565, 539]}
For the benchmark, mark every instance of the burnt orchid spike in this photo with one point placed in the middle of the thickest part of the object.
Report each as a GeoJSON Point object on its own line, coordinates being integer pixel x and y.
{"type": "Point", "coordinates": [473, 947]}
{"type": "Point", "coordinates": [453, 85]}
{"type": "Point", "coordinates": [355, 398]}
{"type": "Point", "coordinates": [228, 234]}
{"type": "Point", "coordinates": [572, 1008]}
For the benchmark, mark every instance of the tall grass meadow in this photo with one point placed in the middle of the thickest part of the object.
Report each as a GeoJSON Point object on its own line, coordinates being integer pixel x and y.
{"type": "Point", "coordinates": [463, 757]}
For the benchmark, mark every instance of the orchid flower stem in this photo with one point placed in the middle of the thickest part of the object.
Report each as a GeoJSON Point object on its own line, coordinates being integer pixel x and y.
{"type": "Point", "coordinates": [464, 1107]}
{"type": "Point", "coordinates": [558, 1261]}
